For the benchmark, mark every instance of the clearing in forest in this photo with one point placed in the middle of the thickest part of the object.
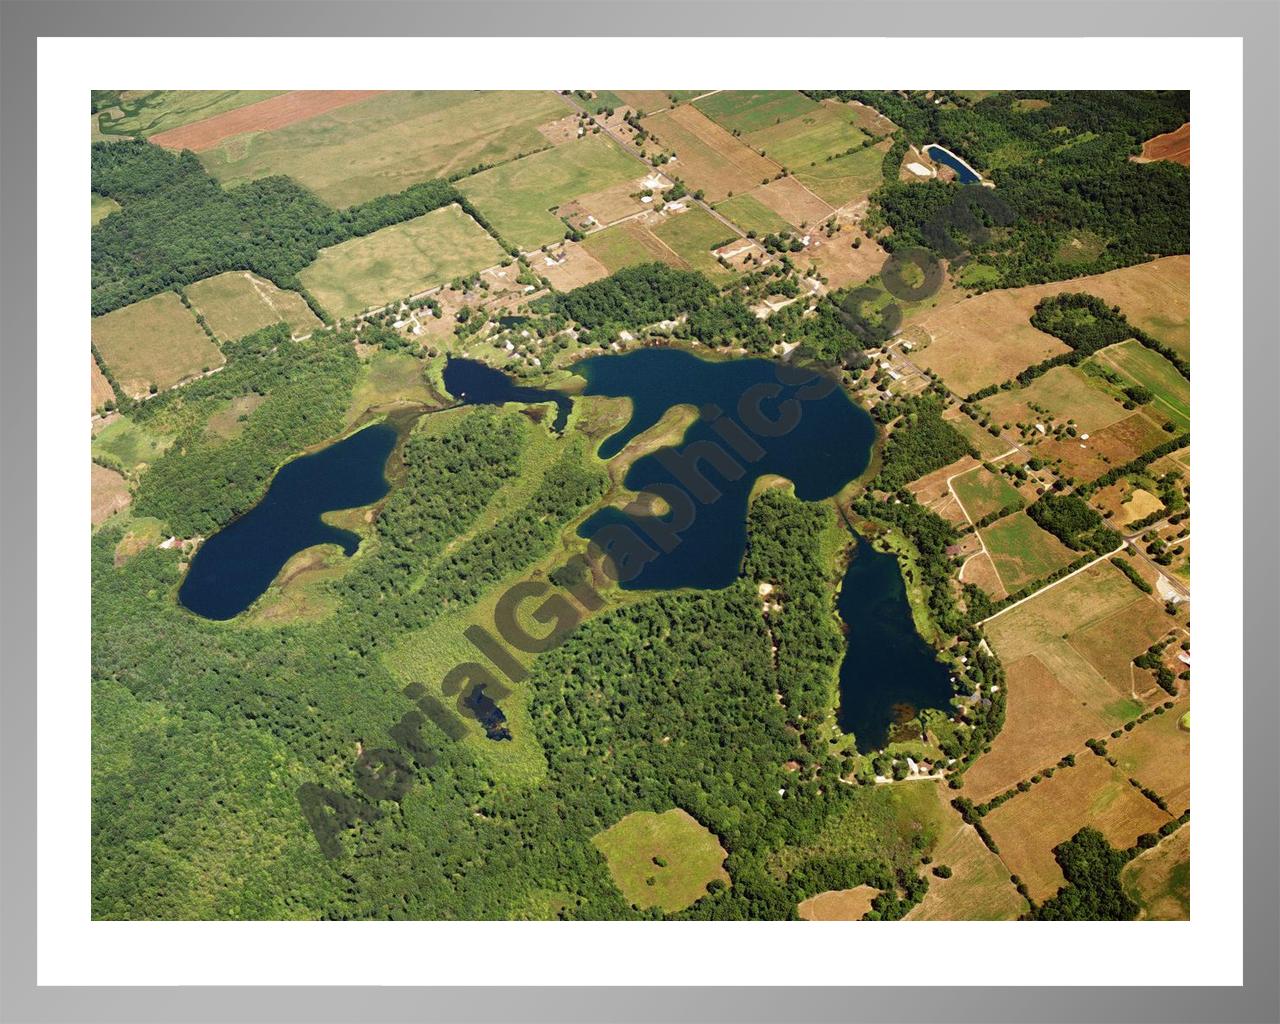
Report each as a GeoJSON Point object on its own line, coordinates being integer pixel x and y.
{"type": "Point", "coordinates": [838, 904]}
{"type": "Point", "coordinates": [155, 341]}
{"type": "Point", "coordinates": [662, 860]}
{"type": "Point", "coordinates": [400, 260]}
{"type": "Point", "coordinates": [1174, 146]}
{"type": "Point", "coordinates": [238, 303]}
{"type": "Point", "coordinates": [109, 491]}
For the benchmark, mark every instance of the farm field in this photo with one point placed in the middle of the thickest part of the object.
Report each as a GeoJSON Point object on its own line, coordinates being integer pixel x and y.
{"type": "Point", "coordinates": [708, 157]}
{"type": "Point", "coordinates": [747, 112]}
{"type": "Point", "coordinates": [608, 205]}
{"type": "Point", "coordinates": [387, 143]}
{"type": "Point", "coordinates": [933, 490]}
{"type": "Point", "coordinates": [1114, 445]}
{"type": "Point", "coordinates": [238, 303]}
{"type": "Point", "coordinates": [1029, 826]}
{"type": "Point", "coordinates": [628, 244]}
{"type": "Point", "coordinates": [846, 178]}
{"type": "Point", "coordinates": [1159, 879]}
{"type": "Point", "coordinates": [576, 268]}
{"type": "Point", "coordinates": [988, 339]}
{"type": "Point", "coordinates": [100, 392]}
{"type": "Point", "coordinates": [678, 854]}
{"type": "Point", "coordinates": [517, 197]}
{"type": "Point", "coordinates": [1153, 371]}
{"type": "Point", "coordinates": [982, 493]}
{"type": "Point", "coordinates": [819, 132]}
{"type": "Point", "coordinates": [155, 341]}
{"type": "Point", "coordinates": [1067, 393]}
{"type": "Point", "coordinates": [1023, 552]}
{"type": "Point", "coordinates": [838, 904]}
{"type": "Point", "coordinates": [989, 447]}
{"type": "Point", "coordinates": [752, 215]}
{"type": "Point", "coordinates": [1057, 699]}
{"type": "Point", "coordinates": [146, 114]}
{"type": "Point", "coordinates": [692, 235]}
{"type": "Point", "coordinates": [791, 201]}
{"type": "Point", "coordinates": [100, 206]}
{"type": "Point", "coordinates": [1158, 754]}
{"type": "Point", "coordinates": [263, 116]}
{"type": "Point", "coordinates": [978, 889]}
{"type": "Point", "coordinates": [109, 491]}
{"type": "Point", "coordinates": [650, 101]}
{"type": "Point", "coordinates": [400, 260]}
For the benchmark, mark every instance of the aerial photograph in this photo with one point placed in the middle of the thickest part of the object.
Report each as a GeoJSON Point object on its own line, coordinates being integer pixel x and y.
{"type": "Point", "coordinates": [651, 505]}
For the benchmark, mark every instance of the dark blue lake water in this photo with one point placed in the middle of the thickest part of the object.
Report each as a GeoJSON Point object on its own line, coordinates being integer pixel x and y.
{"type": "Point", "coordinates": [474, 383]}
{"type": "Point", "coordinates": [828, 445]}
{"type": "Point", "coordinates": [234, 567]}
{"type": "Point", "coordinates": [964, 173]}
{"type": "Point", "coordinates": [889, 673]}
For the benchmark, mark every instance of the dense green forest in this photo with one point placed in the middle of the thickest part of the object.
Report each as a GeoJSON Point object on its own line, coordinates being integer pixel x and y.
{"type": "Point", "coordinates": [1060, 163]}
{"type": "Point", "coordinates": [177, 225]}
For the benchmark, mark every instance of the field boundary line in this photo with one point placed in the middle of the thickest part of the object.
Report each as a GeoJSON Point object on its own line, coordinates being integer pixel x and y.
{"type": "Point", "coordinates": [1037, 593]}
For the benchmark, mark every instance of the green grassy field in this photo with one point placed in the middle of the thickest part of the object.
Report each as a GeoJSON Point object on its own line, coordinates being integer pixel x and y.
{"type": "Point", "coordinates": [127, 446]}
{"type": "Point", "coordinates": [389, 142]}
{"type": "Point", "coordinates": [1153, 371]}
{"type": "Point", "coordinates": [390, 377]}
{"type": "Point", "coordinates": [238, 303]}
{"type": "Point", "coordinates": [1022, 552]}
{"type": "Point", "coordinates": [752, 215]}
{"type": "Point", "coordinates": [845, 178]}
{"type": "Point", "coordinates": [148, 113]}
{"type": "Point", "coordinates": [101, 206]}
{"type": "Point", "coordinates": [751, 111]}
{"type": "Point", "coordinates": [625, 245]}
{"type": "Point", "coordinates": [155, 341]}
{"type": "Point", "coordinates": [812, 137]}
{"type": "Point", "coordinates": [517, 197]}
{"type": "Point", "coordinates": [691, 235]}
{"type": "Point", "coordinates": [399, 260]}
{"type": "Point", "coordinates": [662, 860]}
{"type": "Point", "coordinates": [982, 492]}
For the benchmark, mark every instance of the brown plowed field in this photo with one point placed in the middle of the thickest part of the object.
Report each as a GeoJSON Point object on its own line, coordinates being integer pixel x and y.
{"type": "Point", "coordinates": [259, 117]}
{"type": "Point", "coordinates": [1174, 146]}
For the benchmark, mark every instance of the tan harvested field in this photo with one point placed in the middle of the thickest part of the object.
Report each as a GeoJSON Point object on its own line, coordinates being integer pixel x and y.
{"type": "Point", "coordinates": [388, 142]}
{"type": "Point", "coordinates": [794, 203]}
{"type": "Point", "coordinates": [839, 262]}
{"type": "Point", "coordinates": [979, 570]}
{"type": "Point", "coordinates": [647, 101]}
{"type": "Point", "coordinates": [110, 493]}
{"type": "Point", "coordinates": [1056, 699]}
{"type": "Point", "coordinates": [933, 491]}
{"type": "Point", "coordinates": [1174, 146]}
{"type": "Point", "coordinates": [707, 156]}
{"type": "Point", "coordinates": [400, 260]}
{"type": "Point", "coordinates": [1126, 502]}
{"type": "Point", "coordinates": [1111, 643]}
{"type": "Point", "coordinates": [100, 392]}
{"type": "Point", "coordinates": [1159, 879]}
{"type": "Point", "coordinates": [1158, 754]}
{"type": "Point", "coordinates": [1093, 794]}
{"type": "Point", "coordinates": [576, 268]}
{"type": "Point", "coordinates": [238, 303]}
{"type": "Point", "coordinates": [1114, 445]}
{"type": "Point", "coordinates": [838, 904]}
{"type": "Point", "coordinates": [989, 447]}
{"type": "Point", "coordinates": [561, 130]}
{"type": "Point", "coordinates": [988, 339]}
{"type": "Point", "coordinates": [608, 205]}
{"type": "Point", "coordinates": [978, 889]}
{"type": "Point", "coordinates": [155, 341]}
{"type": "Point", "coordinates": [263, 116]}
{"type": "Point", "coordinates": [1067, 392]}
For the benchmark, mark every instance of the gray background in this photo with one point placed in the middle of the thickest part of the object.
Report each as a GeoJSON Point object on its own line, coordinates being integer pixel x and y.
{"type": "Point", "coordinates": [1257, 22]}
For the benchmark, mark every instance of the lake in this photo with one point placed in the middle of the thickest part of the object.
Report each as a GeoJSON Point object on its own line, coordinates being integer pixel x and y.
{"type": "Point", "coordinates": [965, 174]}
{"type": "Point", "coordinates": [474, 383]}
{"type": "Point", "coordinates": [234, 567]}
{"type": "Point", "coordinates": [889, 672]}
{"type": "Point", "coordinates": [829, 446]}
